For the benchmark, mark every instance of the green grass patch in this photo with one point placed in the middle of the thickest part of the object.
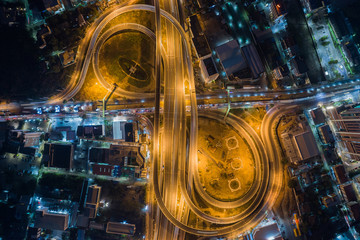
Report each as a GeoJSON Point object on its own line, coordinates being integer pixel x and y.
{"type": "Point", "coordinates": [127, 60]}
{"type": "Point", "coordinates": [60, 186]}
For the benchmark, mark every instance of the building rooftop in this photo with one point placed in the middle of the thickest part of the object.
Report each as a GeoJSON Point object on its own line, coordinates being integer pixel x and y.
{"type": "Point", "coordinates": [306, 145]}
{"type": "Point", "coordinates": [337, 20]}
{"type": "Point", "coordinates": [58, 155]}
{"type": "Point", "coordinates": [92, 201]}
{"type": "Point", "coordinates": [326, 134]}
{"type": "Point", "coordinates": [129, 132]}
{"type": "Point", "coordinates": [93, 195]}
{"type": "Point", "coordinates": [210, 66]}
{"type": "Point", "coordinates": [102, 169]}
{"type": "Point", "coordinates": [253, 60]}
{"type": "Point", "coordinates": [330, 200]}
{"type": "Point", "coordinates": [89, 131]}
{"type": "Point", "coordinates": [267, 232]}
{"type": "Point", "coordinates": [119, 155]}
{"type": "Point", "coordinates": [53, 221]}
{"type": "Point", "coordinates": [317, 116]}
{"type": "Point", "coordinates": [119, 130]}
{"type": "Point", "coordinates": [314, 4]}
{"type": "Point", "coordinates": [348, 192]}
{"type": "Point", "coordinates": [231, 57]}
{"type": "Point", "coordinates": [299, 65]}
{"type": "Point", "coordinates": [199, 39]}
{"type": "Point", "coordinates": [340, 174]}
{"type": "Point", "coordinates": [52, 5]}
{"type": "Point", "coordinates": [355, 211]}
{"type": "Point", "coordinates": [120, 228]}
{"type": "Point", "coordinates": [67, 57]}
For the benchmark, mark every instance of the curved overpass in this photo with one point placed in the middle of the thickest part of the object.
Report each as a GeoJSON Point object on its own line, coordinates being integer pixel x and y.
{"type": "Point", "coordinates": [250, 215]}
{"type": "Point", "coordinates": [103, 38]}
{"type": "Point", "coordinates": [246, 219]}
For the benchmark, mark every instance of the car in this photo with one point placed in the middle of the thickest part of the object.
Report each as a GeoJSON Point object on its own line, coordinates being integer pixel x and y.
{"type": "Point", "coordinates": [57, 108]}
{"type": "Point", "coordinates": [39, 110]}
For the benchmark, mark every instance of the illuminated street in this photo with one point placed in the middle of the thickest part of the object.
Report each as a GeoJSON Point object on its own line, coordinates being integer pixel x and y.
{"type": "Point", "coordinates": [177, 120]}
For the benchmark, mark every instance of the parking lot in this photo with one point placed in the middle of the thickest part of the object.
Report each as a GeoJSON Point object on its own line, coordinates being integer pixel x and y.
{"type": "Point", "coordinates": [330, 56]}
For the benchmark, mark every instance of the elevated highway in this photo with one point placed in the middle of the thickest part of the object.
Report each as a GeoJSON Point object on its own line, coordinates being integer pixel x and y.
{"type": "Point", "coordinates": [177, 155]}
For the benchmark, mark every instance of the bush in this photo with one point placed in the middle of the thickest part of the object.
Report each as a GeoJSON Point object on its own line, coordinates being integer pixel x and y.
{"type": "Point", "coordinates": [332, 61]}
{"type": "Point", "coordinates": [325, 43]}
{"type": "Point", "coordinates": [70, 185]}
{"type": "Point", "coordinates": [292, 183]}
{"type": "Point", "coordinates": [323, 38]}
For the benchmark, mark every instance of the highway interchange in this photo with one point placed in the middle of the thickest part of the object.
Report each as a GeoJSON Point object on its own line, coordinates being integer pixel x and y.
{"type": "Point", "coordinates": [174, 172]}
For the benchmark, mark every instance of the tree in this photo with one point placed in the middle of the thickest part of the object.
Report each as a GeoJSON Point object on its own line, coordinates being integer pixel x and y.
{"type": "Point", "coordinates": [56, 68]}
{"type": "Point", "coordinates": [284, 161]}
{"type": "Point", "coordinates": [19, 74]}
{"type": "Point", "coordinates": [323, 38]}
{"type": "Point", "coordinates": [42, 137]}
{"type": "Point", "coordinates": [325, 43]}
{"type": "Point", "coordinates": [292, 183]}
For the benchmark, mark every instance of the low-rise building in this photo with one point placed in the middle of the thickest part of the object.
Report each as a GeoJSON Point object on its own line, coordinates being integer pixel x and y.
{"type": "Point", "coordinates": [95, 225]}
{"type": "Point", "coordinates": [289, 46]}
{"type": "Point", "coordinates": [3, 127]}
{"type": "Point", "coordinates": [89, 131]}
{"type": "Point", "coordinates": [129, 132]}
{"type": "Point", "coordinates": [326, 134]}
{"type": "Point", "coordinates": [102, 169]}
{"type": "Point", "coordinates": [119, 155]}
{"type": "Point", "coordinates": [346, 122]}
{"type": "Point", "coordinates": [307, 178]}
{"type": "Point", "coordinates": [198, 38]}
{"type": "Point", "coordinates": [348, 192]}
{"type": "Point", "coordinates": [52, 5]}
{"type": "Point", "coordinates": [58, 155]}
{"type": "Point", "coordinates": [330, 200]}
{"type": "Point", "coordinates": [52, 221]}
{"type": "Point", "coordinates": [340, 174]}
{"type": "Point", "coordinates": [120, 228]}
{"type": "Point", "coordinates": [277, 9]}
{"type": "Point", "coordinates": [281, 72]}
{"type": "Point", "coordinates": [12, 14]}
{"type": "Point", "coordinates": [232, 60]}
{"type": "Point", "coordinates": [208, 69]}
{"type": "Point", "coordinates": [253, 60]}
{"type": "Point", "coordinates": [26, 138]}
{"type": "Point", "coordinates": [82, 221]}
{"type": "Point", "coordinates": [205, 3]}
{"type": "Point", "coordinates": [313, 5]}
{"type": "Point", "coordinates": [298, 66]}
{"type": "Point", "coordinates": [33, 233]}
{"type": "Point", "coordinates": [354, 211]}
{"type": "Point", "coordinates": [290, 150]}
{"type": "Point", "coordinates": [270, 231]}
{"type": "Point", "coordinates": [306, 145]}
{"type": "Point", "coordinates": [318, 116]}
{"type": "Point", "coordinates": [68, 57]}
{"type": "Point", "coordinates": [92, 201]}
{"type": "Point", "coordinates": [119, 130]}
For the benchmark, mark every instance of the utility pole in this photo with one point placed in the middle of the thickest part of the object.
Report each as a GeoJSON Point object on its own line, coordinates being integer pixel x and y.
{"type": "Point", "coordinates": [106, 99]}
{"type": "Point", "coordinates": [229, 104]}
